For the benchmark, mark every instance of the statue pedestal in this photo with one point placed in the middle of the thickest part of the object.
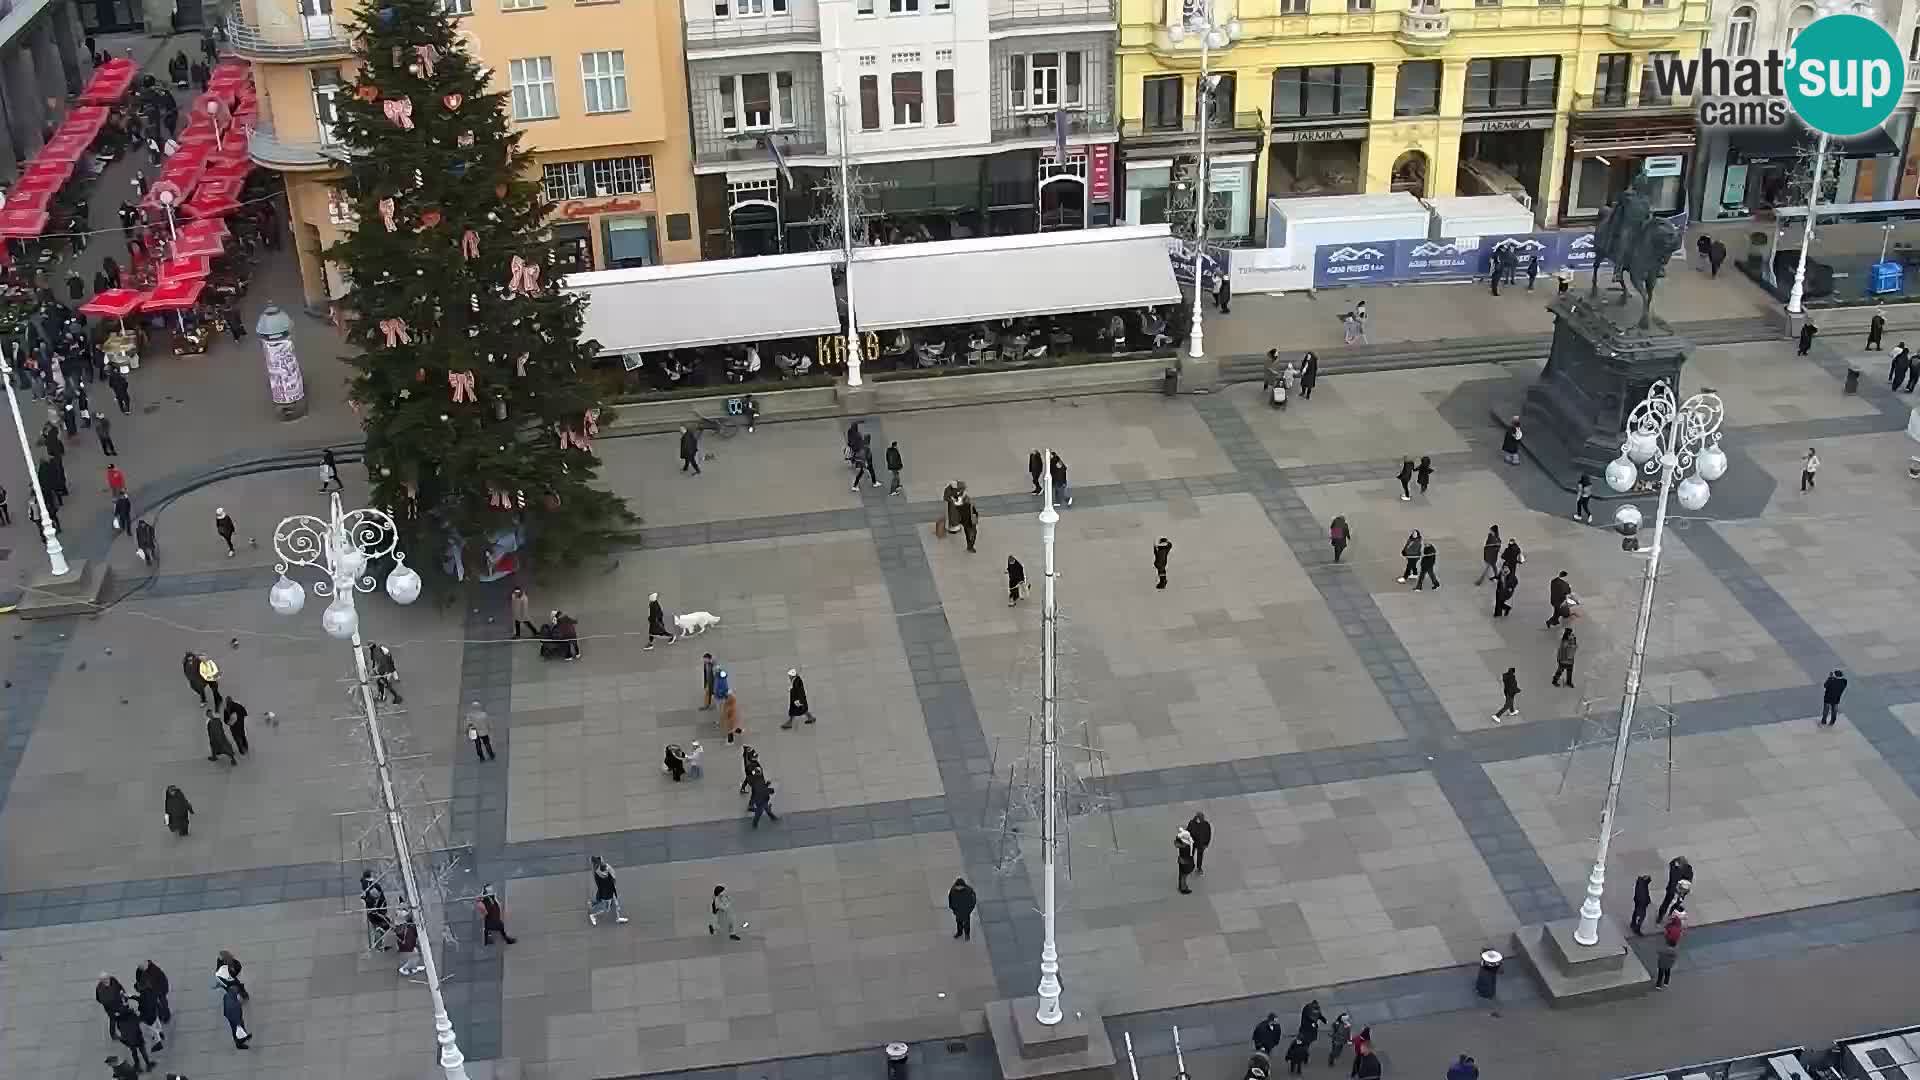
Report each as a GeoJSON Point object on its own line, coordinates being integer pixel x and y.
{"type": "Point", "coordinates": [1576, 414]}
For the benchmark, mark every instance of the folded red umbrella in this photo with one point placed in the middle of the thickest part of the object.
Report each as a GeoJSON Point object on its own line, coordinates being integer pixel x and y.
{"type": "Point", "coordinates": [114, 303]}
{"type": "Point", "coordinates": [190, 268]}
{"type": "Point", "coordinates": [22, 224]}
{"type": "Point", "coordinates": [176, 295]}
{"type": "Point", "coordinates": [85, 118]}
{"type": "Point", "coordinates": [29, 200]}
{"type": "Point", "coordinates": [110, 82]}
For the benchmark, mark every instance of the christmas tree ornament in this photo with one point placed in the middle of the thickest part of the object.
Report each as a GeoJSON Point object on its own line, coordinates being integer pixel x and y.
{"type": "Point", "coordinates": [396, 332]}
{"type": "Point", "coordinates": [499, 408]}
{"type": "Point", "coordinates": [461, 383]}
{"type": "Point", "coordinates": [414, 70]}
{"type": "Point", "coordinates": [452, 102]}
{"type": "Point", "coordinates": [400, 111]}
{"type": "Point", "coordinates": [386, 16]}
{"type": "Point", "coordinates": [419, 374]}
{"type": "Point", "coordinates": [367, 92]}
{"type": "Point", "coordinates": [428, 219]}
{"type": "Point", "coordinates": [396, 56]}
{"type": "Point", "coordinates": [444, 417]}
{"type": "Point", "coordinates": [405, 393]}
{"type": "Point", "coordinates": [470, 249]}
{"type": "Point", "coordinates": [590, 423]}
{"type": "Point", "coordinates": [429, 56]}
{"type": "Point", "coordinates": [473, 299]}
{"type": "Point", "coordinates": [386, 215]}
{"type": "Point", "coordinates": [520, 363]}
{"type": "Point", "coordinates": [386, 470]}
{"type": "Point", "coordinates": [523, 277]}
{"type": "Point", "coordinates": [465, 138]}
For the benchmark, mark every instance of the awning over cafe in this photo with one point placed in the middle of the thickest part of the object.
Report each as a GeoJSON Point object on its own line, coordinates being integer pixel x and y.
{"type": "Point", "coordinates": [990, 278]}
{"type": "Point", "coordinates": [710, 303]}
{"type": "Point", "coordinates": [1768, 144]}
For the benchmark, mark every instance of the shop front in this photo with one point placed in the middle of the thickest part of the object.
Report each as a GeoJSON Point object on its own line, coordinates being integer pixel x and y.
{"type": "Point", "coordinates": [1160, 164]}
{"type": "Point", "coordinates": [609, 234]}
{"type": "Point", "coordinates": [1076, 193]}
{"type": "Point", "coordinates": [1316, 160]}
{"type": "Point", "coordinates": [1605, 155]}
{"type": "Point", "coordinates": [1506, 138]}
{"type": "Point", "coordinates": [1753, 170]}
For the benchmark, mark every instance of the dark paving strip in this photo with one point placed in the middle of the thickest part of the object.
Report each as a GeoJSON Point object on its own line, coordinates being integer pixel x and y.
{"type": "Point", "coordinates": [170, 586]}
{"type": "Point", "coordinates": [157, 896]}
{"type": "Point", "coordinates": [37, 657]}
{"type": "Point", "coordinates": [1866, 700]}
{"type": "Point", "coordinates": [1510, 856]}
{"type": "Point", "coordinates": [1874, 368]}
{"type": "Point", "coordinates": [1256, 775]}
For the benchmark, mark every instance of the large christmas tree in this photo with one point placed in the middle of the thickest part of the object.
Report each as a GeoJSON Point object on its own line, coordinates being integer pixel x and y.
{"type": "Point", "coordinates": [470, 361]}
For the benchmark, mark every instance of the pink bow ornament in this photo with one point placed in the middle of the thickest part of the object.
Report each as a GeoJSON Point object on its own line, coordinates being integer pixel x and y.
{"type": "Point", "coordinates": [590, 423]}
{"type": "Point", "coordinates": [523, 277]}
{"type": "Point", "coordinates": [386, 215]}
{"type": "Point", "coordinates": [520, 364]}
{"type": "Point", "coordinates": [400, 111]}
{"type": "Point", "coordinates": [462, 384]}
{"type": "Point", "coordinates": [396, 332]}
{"type": "Point", "coordinates": [470, 245]}
{"type": "Point", "coordinates": [500, 500]}
{"type": "Point", "coordinates": [428, 55]}
{"type": "Point", "coordinates": [571, 440]}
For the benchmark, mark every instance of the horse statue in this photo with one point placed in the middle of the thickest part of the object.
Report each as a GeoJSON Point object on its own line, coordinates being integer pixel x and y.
{"type": "Point", "coordinates": [1619, 231]}
{"type": "Point", "coordinates": [1646, 263]}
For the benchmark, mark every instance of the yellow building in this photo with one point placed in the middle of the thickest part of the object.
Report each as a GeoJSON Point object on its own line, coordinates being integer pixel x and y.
{"type": "Point", "coordinates": [1449, 97]}
{"type": "Point", "coordinates": [598, 86]}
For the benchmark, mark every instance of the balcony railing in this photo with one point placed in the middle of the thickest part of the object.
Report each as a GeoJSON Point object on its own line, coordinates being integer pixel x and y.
{"type": "Point", "coordinates": [1009, 125]}
{"type": "Point", "coordinates": [1424, 30]}
{"type": "Point", "coordinates": [800, 140]}
{"type": "Point", "coordinates": [752, 31]}
{"type": "Point", "coordinates": [270, 151]}
{"type": "Point", "coordinates": [1189, 126]}
{"type": "Point", "coordinates": [289, 36]}
{"type": "Point", "coordinates": [1626, 104]}
{"type": "Point", "coordinates": [1048, 12]}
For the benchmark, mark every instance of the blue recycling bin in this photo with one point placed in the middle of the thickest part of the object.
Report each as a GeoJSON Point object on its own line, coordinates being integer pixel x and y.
{"type": "Point", "coordinates": [1886, 277]}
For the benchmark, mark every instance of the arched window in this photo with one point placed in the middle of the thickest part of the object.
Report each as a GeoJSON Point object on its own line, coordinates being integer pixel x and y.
{"type": "Point", "coordinates": [1802, 18]}
{"type": "Point", "coordinates": [1740, 31]}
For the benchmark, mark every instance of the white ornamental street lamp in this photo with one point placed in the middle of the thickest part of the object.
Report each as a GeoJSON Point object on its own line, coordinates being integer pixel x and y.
{"type": "Point", "coordinates": [56, 556]}
{"type": "Point", "coordinates": [167, 198]}
{"type": "Point", "coordinates": [1799, 290]}
{"type": "Point", "coordinates": [1673, 440]}
{"type": "Point", "coordinates": [345, 544]}
{"type": "Point", "coordinates": [846, 214]}
{"type": "Point", "coordinates": [1049, 1012]}
{"type": "Point", "coordinates": [1198, 18]}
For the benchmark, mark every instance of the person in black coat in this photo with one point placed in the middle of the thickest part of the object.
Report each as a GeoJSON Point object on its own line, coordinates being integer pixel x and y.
{"type": "Point", "coordinates": [1504, 587]}
{"type": "Point", "coordinates": [894, 464]}
{"type": "Point", "coordinates": [236, 718]}
{"type": "Point", "coordinates": [797, 706]}
{"type": "Point", "coordinates": [1309, 374]}
{"type": "Point", "coordinates": [1642, 900]}
{"type": "Point", "coordinates": [1267, 1034]}
{"type": "Point", "coordinates": [112, 996]}
{"type": "Point", "coordinates": [145, 540]}
{"type": "Point", "coordinates": [1807, 332]}
{"type": "Point", "coordinates": [150, 993]}
{"type": "Point", "coordinates": [1310, 1019]}
{"type": "Point", "coordinates": [1678, 870]}
{"type": "Point", "coordinates": [1201, 830]}
{"type": "Point", "coordinates": [657, 621]}
{"type": "Point", "coordinates": [1223, 295]}
{"type": "Point", "coordinates": [1161, 551]}
{"type": "Point", "coordinates": [1510, 687]}
{"type": "Point", "coordinates": [1830, 693]}
{"type": "Point", "coordinates": [1297, 1053]}
{"type": "Point", "coordinates": [217, 744]}
{"type": "Point", "coordinates": [1875, 330]}
{"type": "Point", "coordinates": [961, 900]}
{"type": "Point", "coordinates": [1016, 579]}
{"type": "Point", "coordinates": [178, 810]}
{"type": "Point", "coordinates": [128, 1033]}
{"type": "Point", "coordinates": [689, 451]}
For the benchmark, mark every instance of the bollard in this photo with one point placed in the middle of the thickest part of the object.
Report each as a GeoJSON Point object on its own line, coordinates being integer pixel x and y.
{"type": "Point", "coordinates": [1170, 381]}
{"type": "Point", "coordinates": [896, 1061]}
{"type": "Point", "coordinates": [1488, 981]}
{"type": "Point", "coordinates": [1853, 378]}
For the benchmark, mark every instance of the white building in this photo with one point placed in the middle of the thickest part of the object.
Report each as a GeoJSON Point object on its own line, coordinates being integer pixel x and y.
{"type": "Point", "coordinates": [1746, 170]}
{"type": "Point", "coordinates": [952, 111]}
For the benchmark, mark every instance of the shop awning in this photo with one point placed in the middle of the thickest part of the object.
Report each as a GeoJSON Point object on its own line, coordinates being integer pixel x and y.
{"type": "Point", "coordinates": [979, 280]}
{"type": "Point", "coordinates": [1633, 145]}
{"type": "Point", "coordinates": [710, 303]}
{"type": "Point", "coordinates": [1767, 144]}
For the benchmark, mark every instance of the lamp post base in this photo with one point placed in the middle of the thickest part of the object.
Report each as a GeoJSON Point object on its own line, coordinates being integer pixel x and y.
{"type": "Point", "coordinates": [1076, 1048]}
{"type": "Point", "coordinates": [80, 592]}
{"type": "Point", "coordinates": [1199, 375]}
{"type": "Point", "coordinates": [1576, 974]}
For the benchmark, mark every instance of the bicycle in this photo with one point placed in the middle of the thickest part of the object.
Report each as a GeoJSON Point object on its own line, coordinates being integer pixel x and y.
{"type": "Point", "coordinates": [725, 427]}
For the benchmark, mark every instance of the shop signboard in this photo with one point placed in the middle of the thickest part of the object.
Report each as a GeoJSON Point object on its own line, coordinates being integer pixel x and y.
{"type": "Point", "coordinates": [1367, 263]}
{"type": "Point", "coordinates": [1663, 165]}
{"type": "Point", "coordinates": [1100, 172]}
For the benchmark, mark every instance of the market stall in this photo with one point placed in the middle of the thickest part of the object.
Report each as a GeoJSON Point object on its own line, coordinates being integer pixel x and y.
{"type": "Point", "coordinates": [180, 296]}
{"type": "Point", "coordinates": [110, 82]}
{"type": "Point", "coordinates": [123, 347]}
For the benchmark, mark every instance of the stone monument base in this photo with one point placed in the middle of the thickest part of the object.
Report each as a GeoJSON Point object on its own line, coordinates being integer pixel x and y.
{"type": "Point", "coordinates": [82, 591]}
{"type": "Point", "coordinates": [1597, 371]}
{"type": "Point", "coordinates": [1576, 974]}
{"type": "Point", "coordinates": [1076, 1048]}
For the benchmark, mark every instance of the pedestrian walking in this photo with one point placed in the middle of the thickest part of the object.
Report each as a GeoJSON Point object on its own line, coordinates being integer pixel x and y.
{"type": "Point", "coordinates": [1339, 535]}
{"type": "Point", "coordinates": [1563, 657]}
{"type": "Point", "coordinates": [1560, 596]}
{"type": "Point", "coordinates": [1161, 551]}
{"type": "Point", "coordinates": [1016, 580]}
{"type": "Point", "coordinates": [894, 464]}
{"type": "Point", "coordinates": [606, 894]}
{"type": "Point", "coordinates": [1201, 830]}
{"type": "Point", "coordinates": [1876, 327]}
{"type": "Point", "coordinates": [1424, 472]}
{"type": "Point", "coordinates": [1183, 856]}
{"type": "Point", "coordinates": [1464, 1069]}
{"type": "Point", "coordinates": [1310, 1019]}
{"type": "Point", "coordinates": [1309, 374]}
{"type": "Point", "coordinates": [1830, 693]}
{"type": "Point", "coordinates": [1338, 1035]}
{"type": "Point", "coordinates": [657, 621]}
{"type": "Point", "coordinates": [1510, 442]}
{"type": "Point", "coordinates": [1679, 870]}
{"type": "Point", "coordinates": [749, 764]}
{"type": "Point", "coordinates": [235, 717]}
{"type": "Point", "coordinates": [1429, 554]}
{"type": "Point", "coordinates": [103, 428]}
{"type": "Point", "coordinates": [566, 631]}
{"type": "Point", "coordinates": [1897, 367]}
{"type": "Point", "coordinates": [961, 900]}
{"type": "Point", "coordinates": [1583, 499]}
{"type": "Point", "coordinates": [1913, 376]}
{"type": "Point", "coordinates": [1489, 556]}
{"type": "Point", "coordinates": [862, 458]}
{"type": "Point", "coordinates": [1297, 1054]}
{"type": "Point", "coordinates": [128, 1033]}
{"type": "Point", "coordinates": [218, 745]}
{"type": "Point", "coordinates": [385, 671]}
{"type": "Point", "coordinates": [1405, 476]}
{"type": "Point", "coordinates": [480, 734]}
{"type": "Point", "coordinates": [6, 515]}
{"type": "Point", "coordinates": [1222, 295]}
{"type": "Point", "coordinates": [1035, 467]}
{"type": "Point", "coordinates": [760, 797]}
{"type": "Point", "coordinates": [519, 604]}
{"type": "Point", "coordinates": [223, 525]}
{"type": "Point", "coordinates": [1716, 256]}
{"type": "Point", "coordinates": [178, 810]}
{"type": "Point", "coordinates": [708, 666]}
{"type": "Point", "coordinates": [190, 669]}
{"type": "Point", "coordinates": [1533, 271]}
{"type": "Point", "coordinates": [233, 1007]}
{"type": "Point", "coordinates": [330, 472]}
{"type": "Point", "coordinates": [1807, 333]}
{"type": "Point", "coordinates": [1366, 1064]}
{"type": "Point", "coordinates": [146, 542]}
{"type": "Point", "coordinates": [1062, 493]}
{"type": "Point", "coordinates": [969, 518]}
{"type": "Point", "coordinates": [722, 908]}
{"type": "Point", "coordinates": [122, 514]}
{"type": "Point", "coordinates": [689, 451]}
{"type": "Point", "coordinates": [1410, 551]}
{"type": "Point", "coordinates": [1664, 955]}
{"type": "Point", "coordinates": [112, 997]}
{"type": "Point", "coordinates": [797, 706]}
{"type": "Point", "coordinates": [1497, 269]}
{"type": "Point", "coordinates": [373, 898]}
{"type": "Point", "coordinates": [729, 706]}
{"type": "Point", "coordinates": [1808, 467]}
{"type": "Point", "coordinates": [1510, 688]}
{"type": "Point", "coordinates": [122, 395]}
{"type": "Point", "coordinates": [1642, 900]}
{"type": "Point", "coordinates": [493, 916]}
{"type": "Point", "coordinates": [150, 990]}
{"type": "Point", "coordinates": [1267, 1034]}
{"type": "Point", "coordinates": [1511, 557]}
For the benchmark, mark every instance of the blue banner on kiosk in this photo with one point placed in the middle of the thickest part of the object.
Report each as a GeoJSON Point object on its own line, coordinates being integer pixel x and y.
{"type": "Point", "coordinates": [1383, 262]}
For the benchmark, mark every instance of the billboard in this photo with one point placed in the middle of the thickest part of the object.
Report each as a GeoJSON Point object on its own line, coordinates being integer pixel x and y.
{"type": "Point", "coordinates": [1452, 258]}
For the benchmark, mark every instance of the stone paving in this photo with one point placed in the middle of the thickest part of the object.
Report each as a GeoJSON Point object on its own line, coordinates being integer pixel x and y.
{"type": "Point", "coordinates": [1370, 823]}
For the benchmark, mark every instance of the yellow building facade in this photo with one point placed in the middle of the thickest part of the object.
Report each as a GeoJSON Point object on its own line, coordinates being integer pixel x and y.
{"type": "Point", "coordinates": [597, 86]}
{"type": "Point", "coordinates": [1550, 101]}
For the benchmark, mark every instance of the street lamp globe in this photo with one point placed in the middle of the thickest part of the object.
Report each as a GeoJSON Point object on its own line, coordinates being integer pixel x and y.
{"type": "Point", "coordinates": [340, 620]}
{"type": "Point", "coordinates": [1627, 517]}
{"type": "Point", "coordinates": [1621, 473]}
{"type": "Point", "coordinates": [1711, 464]}
{"type": "Point", "coordinates": [403, 585]}
{"type": "Point", "coordinates": [1640, 447]}
{"type": "Point", "coordinates": [287, 597]}
{"type": "Point", "coordinates": [1692, 493]}
{"type": "Point", "coordinates": [166, 197]}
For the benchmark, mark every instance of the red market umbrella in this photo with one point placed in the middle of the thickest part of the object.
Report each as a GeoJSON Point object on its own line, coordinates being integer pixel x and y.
{"type": "Point", "coordinates": [181, 173]}
{"type": "Point", "coordinates": [188, 268]}
{"type": "Point", "coordinates": [110, 82]}
{"type": "Point", "coordinates": [206, 227]}
{"type": "Point", "coordinates": [58, 171]}
{"type": "Point", "coordinates": [226, 168]}
{"type": "Point", "coordinates": [22, 224]}
{"type": "Point", "coordinates": [29, 200]}
{"type": "Point", "coordinates": [69, 147]}
{"type": "Point", "coordinates": [178, 295]}
{"type": "Point", "coordinates": [187, 247]}
{"type": "Point", "coordinates": [87, 118]}
{"type": "Point", "coordinates": [46, 182]}
{"type": "Point", "coordinates": [114, 303]}
{"type": "Point", "coordinates": [212, 203]}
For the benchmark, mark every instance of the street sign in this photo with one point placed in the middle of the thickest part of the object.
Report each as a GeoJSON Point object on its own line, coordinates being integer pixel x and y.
{"type": "Point", "coordinates": [1663, 165]}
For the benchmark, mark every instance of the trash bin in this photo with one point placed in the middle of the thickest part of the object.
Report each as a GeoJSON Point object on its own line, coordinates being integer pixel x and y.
{"type": "Point", "coordinates": [896, 1061]}
{"type": "Point", "coordinates": [1170, 381]}
{"type": "Point", "coordinates": [1853, 378]}
{"type": "Point", "coordinates": [1487, 982]}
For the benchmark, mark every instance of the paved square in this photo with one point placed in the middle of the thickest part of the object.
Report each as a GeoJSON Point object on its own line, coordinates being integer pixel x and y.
{"type": "Point", "coordinates": [1365, 417]}
{"type": "Point", "coordinates": [778, 469]}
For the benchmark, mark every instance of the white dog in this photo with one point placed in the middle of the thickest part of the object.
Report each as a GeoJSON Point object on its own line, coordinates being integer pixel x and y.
{"type": "Point", "coordinates": [695, 622]}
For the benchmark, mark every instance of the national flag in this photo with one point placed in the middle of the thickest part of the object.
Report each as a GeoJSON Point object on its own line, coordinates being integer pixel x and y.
{"type": "Point", "coordinates": [1060, 136]}
{"type": "Point", "coordinates": [779, 160]}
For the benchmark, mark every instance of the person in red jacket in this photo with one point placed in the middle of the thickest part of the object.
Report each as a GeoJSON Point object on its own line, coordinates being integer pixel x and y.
{"type": "Point", "coordinates": [116, 480]}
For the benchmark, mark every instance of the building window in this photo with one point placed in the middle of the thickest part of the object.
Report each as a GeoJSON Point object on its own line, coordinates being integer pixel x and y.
{"type": "Point", "coordinates": [745, 9]}
{"type": "Point", "coordinates": [1047, 80]}
{"type": "Point", "coordinates": [603, 75]}
{"type": "Point", "coordinates": [629, 241]}
{"type": "Point", "coordinates": [1610, 79]}
{"type": "Point", "coordinates": [783, 99]}
{"type": "Point", "coordinates": [1521, 82]}
{"type": "Point", "coordinates": [1314, 92]}
{"type": "Point", "coordinates": [1740, 32]}
{"type": "Point", "coordinates": [943, 5]}
{"type": "Point", "coordinates": [457, 7]}
{"type": "Point", "coordinates": [1219, 100]}
{"type": "Point", "coordinates": [1801, 18]}
{"type": "Point", "coordinates": [903, 7]}
{"type": "Point", "coordinates": [906, 99]}
{"type": "Point", "coordinates": [597, 178]}
{"type": "Point", "coordinates": [863, 7]}
{"type": "Point", "coordinates": [522, 5]}
{"type": "Point", "coordinates": [1293, 7]}
{"type": "Point", "coordinates": [1359, 7]}
{"type": "Point", "coordinates": [326, 102]}
{"type": "Point", "coordinates": [1649, 85]}
{"type": "Point", "coordinates": [746, 102]}
{"type": "Point", "coordinates": [869, 103]}
{"type": "Point", "coordinates": [532, 82]}
{"type": "Point", "coordinates": [1486, 3]}
{"type": "Point", "coordinates": [943, 96]}
{"type": "Point", "coordinates": [1417, 93]}
{"type": "Point", "coordinates": [1913, 47]}
{"type": "Point", "coordinates": [1163, 108]}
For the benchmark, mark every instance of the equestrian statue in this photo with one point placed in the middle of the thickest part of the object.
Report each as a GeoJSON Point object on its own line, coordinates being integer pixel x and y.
{"type": "Point", "coordinates": [1637, 243]}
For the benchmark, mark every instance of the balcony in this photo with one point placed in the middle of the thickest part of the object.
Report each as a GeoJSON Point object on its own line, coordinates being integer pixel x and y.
{"type": "Point", "coordinates": [1244, 127]}
{"type": "Point", "coordinates": [1007, 14]}
{"type": "Point", "coordinates": [748, 35]}
{"type": "Point", "coordinates": [1600, 105]}
{"type": "Point", "coordinates": [1424, 33]}
{"type": "Point", "coordinates": [269, 151]}
{"type": "Point", "coordinates": [750, 147]}
{"type": "Point", "coordinates": [288, 36]}
{"type": "Point", "coordinates": [1645, 27]}
{"type": "Point", "coordinates": [1008, 126]}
